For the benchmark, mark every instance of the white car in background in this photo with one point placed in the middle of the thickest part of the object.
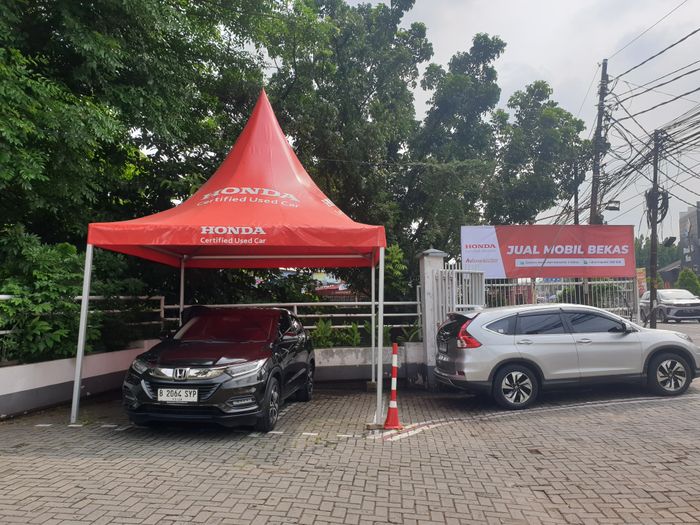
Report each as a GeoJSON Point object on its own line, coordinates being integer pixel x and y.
{"type": "Point", "coordinates": [672, 305]}
{"type": "Point", "coordinates": [513, 352]}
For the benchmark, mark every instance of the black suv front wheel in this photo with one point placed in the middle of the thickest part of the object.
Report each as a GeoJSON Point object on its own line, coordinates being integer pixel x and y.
{"type": "Point", "coordinates": [307, 389]}
{"type": "Point", "coordinates": [271, 406]}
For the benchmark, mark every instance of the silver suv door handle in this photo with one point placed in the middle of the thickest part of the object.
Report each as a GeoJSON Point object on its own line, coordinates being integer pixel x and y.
{"type": "Point", "coordinates": [584, 341]}
{"type": "Point", "coordinates": [525, 342]}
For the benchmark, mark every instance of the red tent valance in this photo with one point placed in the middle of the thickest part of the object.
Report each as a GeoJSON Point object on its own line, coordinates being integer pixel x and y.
{"type": "Point", "coordinates": [259, 210]}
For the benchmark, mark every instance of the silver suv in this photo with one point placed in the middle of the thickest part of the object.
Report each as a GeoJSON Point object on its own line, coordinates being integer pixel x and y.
{"type": "Point", "coordinates": [513, 352]}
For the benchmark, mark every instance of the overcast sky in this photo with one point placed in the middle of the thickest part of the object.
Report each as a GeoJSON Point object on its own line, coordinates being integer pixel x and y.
{"type": "Point", "coordinates": [563, 42]}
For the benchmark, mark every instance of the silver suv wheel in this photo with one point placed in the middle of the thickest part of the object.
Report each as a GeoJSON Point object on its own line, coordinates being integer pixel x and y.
{"type": "Point", "coordinates": [516, 387]}
{"type": "Point", "coordinates": [671, 375]}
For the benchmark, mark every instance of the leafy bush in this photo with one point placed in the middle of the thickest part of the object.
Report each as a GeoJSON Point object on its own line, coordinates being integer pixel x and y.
{"type": "Point", "coordinates": [348, 336]}
{"type": "Point", "coordinates": [687, 280]}
{"type": "Point", "coordinates": [322, 336]}
{"type": "Point", "coordinates": [411, 334]}
{"type": "Point", "coordinates": [42, 314]}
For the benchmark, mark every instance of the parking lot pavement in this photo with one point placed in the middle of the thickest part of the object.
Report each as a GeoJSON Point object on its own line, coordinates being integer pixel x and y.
{"type": "Point", "coordinates": [615, 455]}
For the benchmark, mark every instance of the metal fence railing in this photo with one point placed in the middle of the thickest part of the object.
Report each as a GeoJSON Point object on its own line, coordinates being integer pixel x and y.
{"type": "Point", "coordinates": [618, 296]}
{"type": "Point", "coordinates": [397, 314]}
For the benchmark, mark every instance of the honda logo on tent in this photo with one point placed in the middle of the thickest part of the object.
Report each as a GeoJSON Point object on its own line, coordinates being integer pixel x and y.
{"type": "Point", "coordinates": [232, 230]}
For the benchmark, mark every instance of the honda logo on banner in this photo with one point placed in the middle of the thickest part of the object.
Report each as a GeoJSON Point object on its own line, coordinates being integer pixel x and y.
{"type": "Point", "coordinates": [549, 251]}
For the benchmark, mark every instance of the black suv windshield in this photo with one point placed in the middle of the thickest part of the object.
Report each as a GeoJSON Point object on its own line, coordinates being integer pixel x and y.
{"type": "Point", "coordinates": [231, 326]}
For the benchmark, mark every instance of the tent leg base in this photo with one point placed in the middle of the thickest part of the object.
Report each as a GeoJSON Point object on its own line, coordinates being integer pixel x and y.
{"type": "Point", "coordinates": [371, 386]}
{"type": "Point", "coordinates": [374, 426]}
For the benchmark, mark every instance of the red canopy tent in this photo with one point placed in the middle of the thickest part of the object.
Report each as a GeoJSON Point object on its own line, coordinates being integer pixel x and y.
{"type": "Point", "coordinates": [260, 209]}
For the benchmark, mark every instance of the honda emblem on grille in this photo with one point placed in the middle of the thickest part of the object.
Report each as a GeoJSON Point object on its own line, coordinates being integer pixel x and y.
{"type": "Point", "coordinates": [180, 373]}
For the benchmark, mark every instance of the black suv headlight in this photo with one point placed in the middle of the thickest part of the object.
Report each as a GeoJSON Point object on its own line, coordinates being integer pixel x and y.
{"type": "Point", "coordinates": [140, 366]}
{"type": "Point", "coordinates": [245, 369]}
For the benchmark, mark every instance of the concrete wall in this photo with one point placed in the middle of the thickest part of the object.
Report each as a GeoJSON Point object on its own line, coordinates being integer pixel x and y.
{"type": "Point", "coordinates": [24, 388]}
{"type": "Point", "coordinates": [39, 385]}
{"type": "Point", "coordinates": [346, 363]}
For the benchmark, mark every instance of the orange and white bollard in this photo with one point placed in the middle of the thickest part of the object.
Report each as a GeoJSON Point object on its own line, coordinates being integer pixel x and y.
{"type": "Point", "coordinates": [392, 416]}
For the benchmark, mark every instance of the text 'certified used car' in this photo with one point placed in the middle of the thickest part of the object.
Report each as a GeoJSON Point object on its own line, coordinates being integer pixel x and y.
{"type": "Point", "coordinates": [232, 366]}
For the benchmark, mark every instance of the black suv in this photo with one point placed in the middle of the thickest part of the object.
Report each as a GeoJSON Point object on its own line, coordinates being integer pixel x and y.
{"type": "Point", "coordinates": [232, 366]}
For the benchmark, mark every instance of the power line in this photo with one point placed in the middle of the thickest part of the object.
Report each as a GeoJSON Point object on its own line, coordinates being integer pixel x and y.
{"type": "Point", "coordinates": [595, 74]}
{"type": "Point", "coordinates": [662, 103]}
{"type": "Point", "coordinates": [659, 85]}
{"type": "Point", "coordinates": [638, 86]}
{"type": "Point", "coordinates": [652, 57]}
{"type": "Point", "coordinates": [647, 29]}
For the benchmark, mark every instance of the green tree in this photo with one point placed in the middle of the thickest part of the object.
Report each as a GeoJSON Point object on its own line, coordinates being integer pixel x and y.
{"type": "Point", "coordinates": [456, 126]}
{"type": "Point", "coordinates": [451, 152]}
{"type": "Point", "coordinates": [665, 254]}
{"type": "Point", "coordinates": [687, 280]}
{"type": "Point", "coordinates": [111, 109]}
{"type": "Point", "coordinates": [342, 90]}
{"type": "Point", "coordinates": [534, 154]}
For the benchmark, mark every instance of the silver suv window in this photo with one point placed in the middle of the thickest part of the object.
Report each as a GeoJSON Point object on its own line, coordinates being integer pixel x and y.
{"type": "Point", "coordinates": [505, 326]}
{"type": "Point", "coordinates": [587, 323]}
{"type": "Point", "coordinates": [549, 323]}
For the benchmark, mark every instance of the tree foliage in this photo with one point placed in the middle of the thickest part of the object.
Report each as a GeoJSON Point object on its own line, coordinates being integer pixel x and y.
{"type": "Point", "coordinates": [665, 254]}
{"type": "Point", "coordinates": [688, 280]}
{"type": "Point", "coordinates": [535, 150]}
{"type": "Point", "coordinates": [114, 109]}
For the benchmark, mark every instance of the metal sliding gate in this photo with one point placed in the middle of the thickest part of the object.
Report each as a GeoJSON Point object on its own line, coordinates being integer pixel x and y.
{"type": "Point", "coordinates": [458, 290]}
{"type": "Point", "coordinates": [618, 296]}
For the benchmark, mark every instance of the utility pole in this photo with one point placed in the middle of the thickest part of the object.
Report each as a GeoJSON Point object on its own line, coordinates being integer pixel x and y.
{"type": "Point", "coordinates": [576, 220]}
{"type": "Point", "coordinates": [653, 204]}
{"type": "Point", "coordinates": [598, 143]}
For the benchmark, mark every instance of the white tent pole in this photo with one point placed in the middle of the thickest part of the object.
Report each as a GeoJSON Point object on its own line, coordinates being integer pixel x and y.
{"type": "Point", "coordinates": [182, 286]}
{"type": "Point", "coordinates": [380, 339]}
{"type": "Point", "coordinates": [373, 269]}
{"type": "Point", "coordinates": [82, 330]}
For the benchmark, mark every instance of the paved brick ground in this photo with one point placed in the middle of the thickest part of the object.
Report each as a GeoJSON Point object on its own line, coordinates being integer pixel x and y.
{"type": "Point", "coordinates": [604, 456]}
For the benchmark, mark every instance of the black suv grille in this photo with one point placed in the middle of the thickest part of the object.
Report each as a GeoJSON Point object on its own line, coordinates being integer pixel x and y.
{"type": "Point", "coordinates": [204, 392]}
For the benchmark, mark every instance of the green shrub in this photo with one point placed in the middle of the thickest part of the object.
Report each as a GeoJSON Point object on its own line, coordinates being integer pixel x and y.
{"type": "Point", "coordinates": [42, 313]}
{"type": "Point", "coordinates": [687, 280]}
{"type": "Point", "coordinates": [411, 334]}
{"type": "Point", "coordinates": [322, 336]}
{"type": "Point", "coordinates": [348, 336]}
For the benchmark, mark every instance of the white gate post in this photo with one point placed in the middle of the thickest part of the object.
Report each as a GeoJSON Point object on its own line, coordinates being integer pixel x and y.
{"type": "Point", "coordinates": [429, 261]}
